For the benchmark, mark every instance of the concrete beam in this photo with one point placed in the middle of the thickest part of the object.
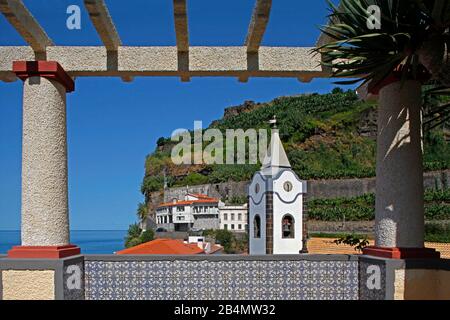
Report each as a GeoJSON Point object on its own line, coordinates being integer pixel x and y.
{"type": "Point", "coordinates": [291, 62]}
{"type": "Point", "coordinates": [181, 25]}
{"type": "Point", "coordinates": [182, 36]}
{"type": "Point", "coordinates": [102, 21]}
{"type": "Point", "coordinates": [25, 24]}
{"type": "Point", "coordinates": [258, 25]}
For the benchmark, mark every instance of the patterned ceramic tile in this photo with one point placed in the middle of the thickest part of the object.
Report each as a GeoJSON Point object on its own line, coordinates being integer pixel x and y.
{"type": "Point", "coordinates": [224, 280]}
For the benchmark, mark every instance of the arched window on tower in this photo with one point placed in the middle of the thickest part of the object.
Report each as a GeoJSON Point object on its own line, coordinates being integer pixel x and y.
{"type": "Point", "coordinates": [287, 226]}
{"type": "Point", "coordinates": [257, 226]}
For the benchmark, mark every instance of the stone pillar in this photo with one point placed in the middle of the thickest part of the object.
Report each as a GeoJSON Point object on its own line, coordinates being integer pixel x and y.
{"type": "Point", "coordinates": [304, 226]}
{"type": "Point", "coordinates": [269, 222]}
{"type": "Point", "coordinates": [399, 212]}
{"type": "Point", "coordinates": [45, 217]}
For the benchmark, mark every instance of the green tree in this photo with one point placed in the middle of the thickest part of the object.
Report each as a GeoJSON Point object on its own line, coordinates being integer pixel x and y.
{"type": "Point", "coordinates": [133, 235]}
{"type": "Point", "coordinates": [225, 238]}
{"type": "Point", "coordinates": [147, 235]}
{"type": "Point", "coordinates": [142, 211]}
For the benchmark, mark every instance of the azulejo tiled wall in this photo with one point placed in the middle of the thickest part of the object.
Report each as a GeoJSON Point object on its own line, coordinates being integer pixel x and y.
{"type": "Point", "coordinates": [215, 279]}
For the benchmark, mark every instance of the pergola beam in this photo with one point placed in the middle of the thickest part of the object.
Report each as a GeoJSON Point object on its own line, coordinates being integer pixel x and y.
{"type": "Point", "coordinates": [181, 25]}
{"type": "Point", "coordinates": [103, 23]}
{"type": "Point", "coordinates": [258, 24]}
{"type": "Point", "coordinates": [25, 24]}
{"type": "Point", "coordinates": [290, 62]}
{"type": "Point", "coordinates": [182, 36]}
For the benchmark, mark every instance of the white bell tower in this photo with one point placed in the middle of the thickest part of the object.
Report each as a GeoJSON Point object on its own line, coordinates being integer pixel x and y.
{"type": "Point", "coordinates": [276, 204]}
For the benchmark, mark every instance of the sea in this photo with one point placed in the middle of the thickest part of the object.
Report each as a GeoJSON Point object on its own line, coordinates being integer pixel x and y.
{"type": "Point", "coordinates": [90, 241]}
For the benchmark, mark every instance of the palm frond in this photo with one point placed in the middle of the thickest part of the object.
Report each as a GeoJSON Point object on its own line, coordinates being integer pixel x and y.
{"type": "Point", "coordinates": [372, 55]}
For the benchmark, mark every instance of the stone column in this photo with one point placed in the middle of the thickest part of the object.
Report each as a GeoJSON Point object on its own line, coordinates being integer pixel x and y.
{"type": "Point", "coordinates": [45, 217]}
{"type": "Point", "coordinates": [399, 205]}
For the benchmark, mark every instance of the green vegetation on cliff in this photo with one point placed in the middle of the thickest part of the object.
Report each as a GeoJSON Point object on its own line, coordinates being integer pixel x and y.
{"type": "Point", "coordinates": [437, 207]}
{"type": "Point", "coordinates": [325, 136]}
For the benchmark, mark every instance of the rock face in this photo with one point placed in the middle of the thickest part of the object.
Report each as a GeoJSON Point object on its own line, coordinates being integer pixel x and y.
{"type": "Point", "coordinates": [247, 106]}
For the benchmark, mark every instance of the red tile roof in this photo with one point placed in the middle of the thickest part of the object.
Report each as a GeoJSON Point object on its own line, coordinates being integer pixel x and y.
{"type": "Point", "coordinates": [202, 199]}
{"type": "Point", "coordinates": [163, 246]}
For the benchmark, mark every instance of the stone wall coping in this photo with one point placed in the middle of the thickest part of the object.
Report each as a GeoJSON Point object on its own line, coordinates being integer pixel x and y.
{"type": "Point", "coordinates": [37, 264]}
{"type": "Point", "coordinates": [221, 257]}
{"type": "Point", "coordinates": [432, 264]}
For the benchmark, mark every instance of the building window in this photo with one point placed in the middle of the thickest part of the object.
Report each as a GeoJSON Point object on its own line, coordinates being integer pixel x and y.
{"type": "Point", "coordinates": [232, 227]}
{"type": "Point", "coordinates": [180, 208]}
{"type": "Point", "coordinates": [239, 226]}
{"type": "Point", "coordinates": [225, 226]}
{"type": "Point", "coordinates": [239, 216]}
{"type": "Point", "coordinates": [287, 186]}
{"type": "Point", "coordinates": [287, 226]}
{"type": "Point", "coordinates": [257, 227]}
{"type": "Point", "coordinates": [225, 216]}
{"type": "Point", "coordinates": [232, 216]}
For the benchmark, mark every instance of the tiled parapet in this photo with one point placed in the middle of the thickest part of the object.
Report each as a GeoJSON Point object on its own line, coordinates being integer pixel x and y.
{"type": "Point", "coordinates": [222, 277]}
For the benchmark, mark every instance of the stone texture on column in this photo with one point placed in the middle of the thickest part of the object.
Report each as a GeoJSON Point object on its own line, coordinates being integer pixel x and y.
{"type": "Point", "coordinates": [399, 214]}
{"type": "Point", "coordinates": [45, 219]}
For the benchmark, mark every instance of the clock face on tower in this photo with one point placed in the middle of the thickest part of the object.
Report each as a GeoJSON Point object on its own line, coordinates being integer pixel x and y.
{"type": "Point", "coordinates": [287, 186]}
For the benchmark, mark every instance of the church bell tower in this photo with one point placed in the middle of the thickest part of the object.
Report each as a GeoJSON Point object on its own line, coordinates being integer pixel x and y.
{"type": "Point", "coordinates": [276, 204]}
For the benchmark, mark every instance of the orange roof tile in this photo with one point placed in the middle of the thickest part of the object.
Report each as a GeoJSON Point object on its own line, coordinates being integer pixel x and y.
{"type": "Point", "coordinates": [163, 246]}
{"type": "Point", "coordinates": [187, 202]}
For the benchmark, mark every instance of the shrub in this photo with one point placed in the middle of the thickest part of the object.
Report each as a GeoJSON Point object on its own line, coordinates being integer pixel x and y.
{"type": "Point", "coordinates": [151, 184]}
{"type": "Point", "coordinates": [147, 236]}
{"type": "Point", "coordinates": [437, 232]}
{"type": "Point", "coordinates": [133, 234]}
{"type": "Point", "coordinates": [354, 241]}
{"type": "Point", "coordinates": [132, 242]}
{"type": "Point", "coordinates": [225, 238]}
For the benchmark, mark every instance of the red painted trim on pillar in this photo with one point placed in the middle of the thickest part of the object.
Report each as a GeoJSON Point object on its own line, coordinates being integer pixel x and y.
{"type": "Point", "coordinates": [422, 75]}
{"type": "Point", "coordinates": [46, 69]}
{"type": "Point", "coordinates": [402, 253]}
{"type": "Point", "coordinates": [43, 252]}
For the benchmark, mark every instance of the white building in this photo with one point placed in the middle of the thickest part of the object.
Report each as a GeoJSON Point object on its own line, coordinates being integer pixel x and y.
{"type": "Point", "coordinates": [196, 211]}
{"type": "Point", "coordinates": [233, 218]}
{"type": "Point", "coordinates": [276, 204]}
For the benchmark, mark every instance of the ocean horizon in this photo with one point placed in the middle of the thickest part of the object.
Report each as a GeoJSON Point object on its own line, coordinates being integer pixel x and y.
{"type": "Point", "coordinates": [90, 241]}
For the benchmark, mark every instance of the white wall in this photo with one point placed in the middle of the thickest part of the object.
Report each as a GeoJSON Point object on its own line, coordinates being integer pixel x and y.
{"type": "Point", "coordinates": [287, 203]}
{"type": "Point", "coordinates": [236, 210]}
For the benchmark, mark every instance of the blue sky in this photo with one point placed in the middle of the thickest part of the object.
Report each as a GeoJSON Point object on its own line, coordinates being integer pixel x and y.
{"type": "Point", "coordinates": [113, 125]}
